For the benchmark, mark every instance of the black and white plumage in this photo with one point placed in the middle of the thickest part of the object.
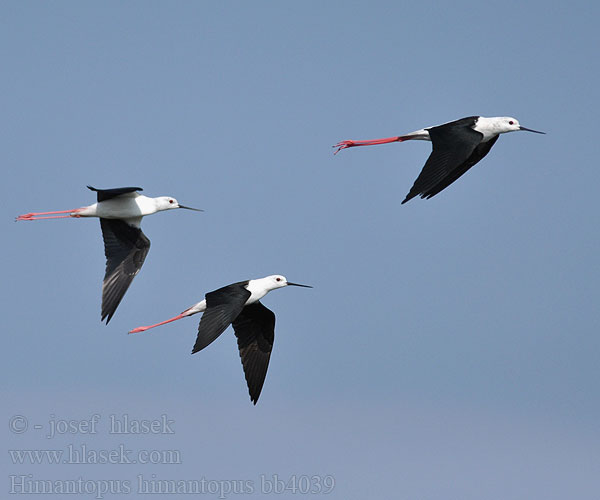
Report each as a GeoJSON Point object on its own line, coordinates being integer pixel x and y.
{"type": "Point", "coordinates": [254, 328]}
{"type": "Point", "coordinates": [125, 248]}
{"type": "Point", "coordinates": [239, 305]}
{"type": "Point", "coordinates": [457, 146]}
{"type": "Point", "coordinates": [125, 245]}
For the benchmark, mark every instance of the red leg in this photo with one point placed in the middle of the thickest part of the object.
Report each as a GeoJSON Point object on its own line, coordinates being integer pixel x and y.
{"type": "Point", "coordinates": [35, 215]}
{"type": "Point", "coordinates": [144, 328]}
{"type": "Point", "coordinates": [350, 144]}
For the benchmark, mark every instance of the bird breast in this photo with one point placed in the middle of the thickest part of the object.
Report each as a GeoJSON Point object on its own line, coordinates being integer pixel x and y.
{"type": "Point", "coordinates": [489, 127]}
{"type": "Point", "coordinates": [257, 290]}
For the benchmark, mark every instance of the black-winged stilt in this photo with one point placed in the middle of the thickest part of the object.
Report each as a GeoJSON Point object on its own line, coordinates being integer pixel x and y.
{"type": "Point", "coordinates": [457, 146]}
{"type": "Point", "coordinates": [125, 245]}
{"type": "Point", "coordinates": [253, 324]}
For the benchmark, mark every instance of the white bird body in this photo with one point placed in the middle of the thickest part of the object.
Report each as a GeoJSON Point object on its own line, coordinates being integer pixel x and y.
{"type": "Point", "coordinates": [130, 206]}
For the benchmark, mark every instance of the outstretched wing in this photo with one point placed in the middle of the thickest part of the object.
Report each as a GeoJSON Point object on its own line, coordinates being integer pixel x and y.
{"type": "Point", "coordinates": [453, 145]}
{"type": "Point", "coordinates": [255, 331]}
{"type": "Point", "coordinates": [125, 247]}
{"type": "Point", "coordinates": [107, 194]}
{"type": "Point", "coordinates": [478, 154]}
{"type": "Point", "coordinates": [222, 307]}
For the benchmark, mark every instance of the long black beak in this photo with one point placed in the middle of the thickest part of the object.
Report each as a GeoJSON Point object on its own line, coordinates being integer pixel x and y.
{"type": "Point", "coordinates": [190, 208]}
{"type": "Point", "coordinates": [529, 130]}
{"type": "Point", "coordinates": [296, 284]}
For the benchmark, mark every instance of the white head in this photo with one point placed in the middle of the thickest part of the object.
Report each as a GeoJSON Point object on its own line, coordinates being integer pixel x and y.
{"type": "Point", "coordinates": [508, 124]}
{"type": "Point", "coordinates": [278, 281]}
{"type": "Point", "coordinates": [168, 203]}
{"type": "Point", "coordinates": [505, 124]}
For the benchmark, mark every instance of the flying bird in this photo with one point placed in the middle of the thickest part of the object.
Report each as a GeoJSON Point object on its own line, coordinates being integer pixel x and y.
{"type": "Point", "coordinates": [239, 305]}
{"type": "Point", "coordinates": [125, 245]}
{"type": "Point", "coordinates": [457, 146]}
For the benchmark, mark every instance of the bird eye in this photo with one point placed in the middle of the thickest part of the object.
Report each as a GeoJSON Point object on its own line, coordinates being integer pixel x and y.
{"type": "Point", "coordinates": [277, 279]}
{"type": "Point", "coordinates": [511, 122]}
{"type": "Point", "coordinates": [171, 201]}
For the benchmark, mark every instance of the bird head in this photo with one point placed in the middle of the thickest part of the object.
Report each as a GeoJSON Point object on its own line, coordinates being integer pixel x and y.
{"type": "Point", "coordinates": [278, 281]}
{"type": "Point", "coordinates": [168, 203]}
{"type": "Point", "coordinates": [510, 124]}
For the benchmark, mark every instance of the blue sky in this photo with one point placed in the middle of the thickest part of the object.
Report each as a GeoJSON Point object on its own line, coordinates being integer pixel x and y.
{"type": "Point", "coordinates": [448, 348]}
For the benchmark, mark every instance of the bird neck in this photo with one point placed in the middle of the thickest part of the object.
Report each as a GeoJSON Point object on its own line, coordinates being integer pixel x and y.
{"type": "Point", "coordinates": [258, 289]}
{"type": "Point", "coordinates": [147, 205]}
{"type": "Point", "coordinates": [489, 127]}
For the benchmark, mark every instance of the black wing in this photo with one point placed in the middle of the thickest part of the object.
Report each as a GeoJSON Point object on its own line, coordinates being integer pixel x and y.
{"type": "Point", "coordinates": [453, 145]}
{"type": "Point", "coordinates": [222, 307]}
{"type": "Point", "coordinates": [125, 247]}
{"type": "Point", "coordinates": [255, 332]}
{"type": "Point", "coordinates": [107, 194]}
{"type": "Point", "coordinates": [477, 155]}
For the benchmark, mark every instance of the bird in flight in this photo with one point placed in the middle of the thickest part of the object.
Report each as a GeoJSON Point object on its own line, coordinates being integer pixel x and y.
{"type": "Point", "coordinates": [125, 245]}
{"type": "Point", "coordinates": [457, 146]}
{"type": "Point", "coordinates": [239, 305]}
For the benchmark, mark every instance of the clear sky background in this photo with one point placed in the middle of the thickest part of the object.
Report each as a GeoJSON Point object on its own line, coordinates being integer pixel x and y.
{"type": "Point", "coordinates": [449, 348]}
